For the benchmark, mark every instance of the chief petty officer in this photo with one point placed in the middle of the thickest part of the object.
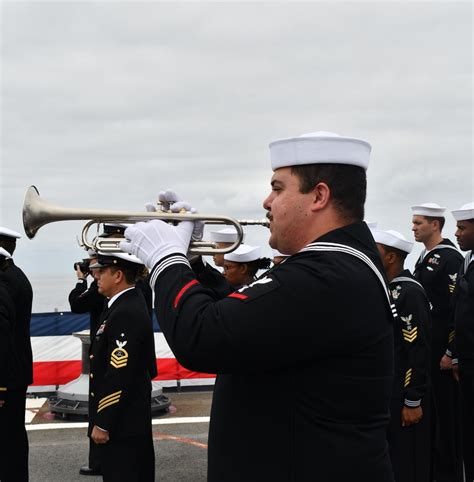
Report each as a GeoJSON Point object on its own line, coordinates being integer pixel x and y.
{"type": "Point", "coordinates": [123, 363]}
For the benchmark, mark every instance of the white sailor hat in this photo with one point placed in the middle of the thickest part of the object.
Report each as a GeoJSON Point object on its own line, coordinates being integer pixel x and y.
{"type": "Point", "coordinates": [392, 238]}
{"type": "Point", "coordinates": [464, 212]}
{"type": "Point", "coordinates": [319, 148]}
{"type": "Point", "coordinates": [4, 253]}
{"type": "Point", "coordinates": [9, 233]}
{"type": "Point", "coordinates": [243, 254]}
{"type": "Point", "coordinates": [276, 253]}
{"type": "Point", "coordinates": [429, 209]}
{"type": "Point", "coordinates": [121, 260]}
{"type": "Point", "coordinates": [226, 235]}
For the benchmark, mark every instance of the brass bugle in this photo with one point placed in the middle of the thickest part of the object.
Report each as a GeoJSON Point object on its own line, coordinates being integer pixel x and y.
{"type": "Point", "coordinates": [37, 212]}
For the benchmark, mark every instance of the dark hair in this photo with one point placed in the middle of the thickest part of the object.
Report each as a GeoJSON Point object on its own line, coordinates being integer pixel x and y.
{"type": "Point", "coordinates": [143, 273]}
{"type": "Point", "coordinates": [440, 220]}
{"type": "Point", "coordinates": [130, 274]}
{"type": "Point", "coordinates": [348, 186]}
{"type": "Point", "coordinates": [260, 263]}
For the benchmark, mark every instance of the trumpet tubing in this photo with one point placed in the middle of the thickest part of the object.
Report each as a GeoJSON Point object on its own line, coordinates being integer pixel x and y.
{"type": "Point", "coordinates": [37, 213]}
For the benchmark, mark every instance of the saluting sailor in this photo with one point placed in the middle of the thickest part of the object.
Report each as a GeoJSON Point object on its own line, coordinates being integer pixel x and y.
{"type": "Point", "coordinates": [409, 429]}
{"type": "Point", "coordinates": [305, 327]}
{"type": "Point", "coordinates": [123, 363]}
{"type": "Point", "coordinates": [84, 299]}
{"type": "Point", "coordinates": [463, 360]}
{"type": "Point", "coordinates": [436, 269]}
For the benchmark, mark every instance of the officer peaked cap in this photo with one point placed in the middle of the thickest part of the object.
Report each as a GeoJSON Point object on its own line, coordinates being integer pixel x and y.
{"type": "Point", "coordinates": [120, 260]}
{"type": "Point", "coordinates": [9, 233]}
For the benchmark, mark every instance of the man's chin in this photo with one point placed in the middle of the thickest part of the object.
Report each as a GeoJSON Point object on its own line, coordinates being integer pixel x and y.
{"type": "Point", "coordinates": [272, 242]}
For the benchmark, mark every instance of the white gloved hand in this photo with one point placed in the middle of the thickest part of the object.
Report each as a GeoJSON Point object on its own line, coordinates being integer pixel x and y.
{"type": "Point", "coordinates": [198, 230]}
{"type": "Point", "coordinates": [169, 196]}
{"type": "Point", "coordinates": [167, 199]}
{"type": "Point", "coordinates": [150, 207]}
{"type": "Point", "coordinates": [154, 240]}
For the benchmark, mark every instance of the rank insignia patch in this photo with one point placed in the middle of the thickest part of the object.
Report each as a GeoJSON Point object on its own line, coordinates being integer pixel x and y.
{"type": "Point", "coordinates": [111, 399]}
{"type": "Point", "coordinates": [408, 377]}
{"type": "Point", "coordinates": [453, 278]}
{"type": "Point", "coordinates": [407, 320]}
{"type": "Point", "coordinates": [410, 335]}
{"type": "Point", "coordinates": [258, 288]}
{"type": "Point", "coordinates": [119, 357]}
{"type": "Point", "coordinates": [396, 292]}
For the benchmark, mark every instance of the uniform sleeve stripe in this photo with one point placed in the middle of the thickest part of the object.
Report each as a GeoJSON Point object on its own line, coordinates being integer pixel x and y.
{"type": "Point", "coordinates": [239, 296]}
{"type": "Point", "coordinates": [412, 403]}
{"type": "Point", "coordinates": [116, 398]}
{"type": "Point", "coordinates": [162, 265]}
{"type": "Point", "coordinates": [183, 290]}
{"type": "Point", "coordinates": [110, 396]}
{"type": "Point", "coordinates": [113, 402]}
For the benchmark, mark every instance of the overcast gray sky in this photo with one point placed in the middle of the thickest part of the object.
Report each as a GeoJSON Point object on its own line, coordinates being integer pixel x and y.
{"type": "Point", "coordinates": [103, 104]}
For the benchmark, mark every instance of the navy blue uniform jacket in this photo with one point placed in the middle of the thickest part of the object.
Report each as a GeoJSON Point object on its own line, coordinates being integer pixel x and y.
{"type": "Point", "coordinates": [123, 364]}
{"type": "Point", "coordinates": [304, 358]}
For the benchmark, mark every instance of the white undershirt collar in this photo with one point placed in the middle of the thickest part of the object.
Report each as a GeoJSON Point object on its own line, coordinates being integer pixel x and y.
{"type": "Point", "coordinates": [111, 301]}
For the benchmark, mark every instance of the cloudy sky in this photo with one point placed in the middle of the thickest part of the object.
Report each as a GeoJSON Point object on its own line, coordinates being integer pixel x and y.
{"type": "Point", "coordinates": [103, 104]}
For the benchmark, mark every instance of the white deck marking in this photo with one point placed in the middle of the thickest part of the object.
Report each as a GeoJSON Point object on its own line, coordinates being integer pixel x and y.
{"type": "Point", "coordinates": [164, 421]}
